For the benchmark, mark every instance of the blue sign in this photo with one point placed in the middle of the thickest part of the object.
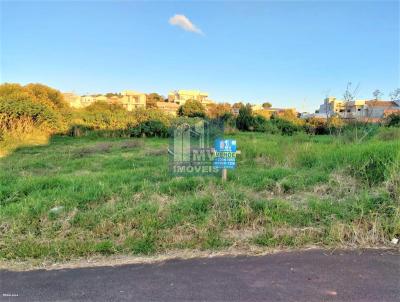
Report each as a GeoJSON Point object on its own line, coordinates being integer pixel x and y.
{"type": "Point", "coordinates": [225, 145]}
{"type": "Point", "coordinates": [225, 154]}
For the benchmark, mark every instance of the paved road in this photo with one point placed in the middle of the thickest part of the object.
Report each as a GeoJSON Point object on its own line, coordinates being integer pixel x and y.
{"type": "Point", "coordinates": [296, 276]}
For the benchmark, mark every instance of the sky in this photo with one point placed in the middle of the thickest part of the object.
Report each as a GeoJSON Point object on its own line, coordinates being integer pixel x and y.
{"type": "Point", "coordinates": [289, 53]}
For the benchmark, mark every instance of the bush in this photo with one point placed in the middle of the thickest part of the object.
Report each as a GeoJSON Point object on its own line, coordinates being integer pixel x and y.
{"type": "Point", "coordinates": [103, 116]}
{"type": "Point", "coordinates": [392, 120]}
{"type": "Point", "coordinates": [149, 128]}
{"type": "Point", "coordinates": [192, 108]}
{"type": "Point", "coordinates": [316, 126]}
{"type": "Point", "coordinates": [47, 95]}
{"type": "Point", "coordinates": [17, 104]}
{"type": "Point", "coordinates": [245, 120]}
{"type": "Point", "coordinates": [286, 127]}
{"type": "Point", "coordinates": [112, 120]}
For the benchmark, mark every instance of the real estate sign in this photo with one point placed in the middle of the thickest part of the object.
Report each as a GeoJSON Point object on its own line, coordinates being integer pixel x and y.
{"type": "Point", "coordinates": [225, 154]}
{"type": "Point", "coordinates": [191, 149]}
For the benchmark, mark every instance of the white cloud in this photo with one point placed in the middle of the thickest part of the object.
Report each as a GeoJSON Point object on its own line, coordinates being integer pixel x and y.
{"type": "Point", "coordinates": [183, 22]}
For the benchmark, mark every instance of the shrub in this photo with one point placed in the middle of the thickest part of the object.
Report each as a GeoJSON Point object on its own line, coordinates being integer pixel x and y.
{"type": "Point", "coordinates": [149, 128]}
{"type": "Point", "coordinates": [259, 123]}
{"type": "Point", "coordinates": [245, 120]}
{"type": "Point", "coordinates": [392, 120]}
{"type": "Point", "coordinates": [285, 126]}
{"type": "Point", "coordinates": [316, 126]}
{"type": "Point", "coordinates": [112, 120]}
{"type": "Point", "coordinates": [192, 108]}
{"type": "Point", "coordinates": [103, 116]}
{"type": "Point", "coordinates": [16, 107]}
{"type": "Point", "coordinates": [34, 104]}
{"type": "Point", "coordinates": [47, 95]}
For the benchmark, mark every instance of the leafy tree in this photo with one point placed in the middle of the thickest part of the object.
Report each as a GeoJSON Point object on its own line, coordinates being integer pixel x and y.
{"type": "Point", "coordinates": [192, 108]}
{"type": "Point", "coordinates": [152, 99]}
{"type": "Point", "coordinates": [17, 103]}
{"type": "Point", "coordinates": [290, 116]}
{"type": "Point", "coordinates": [238, 105]}
{"type": "Point", "coordinates": [219, 110]}
{"type": "Point", "coordinates": [48, 95]}
{"type": "Point", "coordinates": [245, 120]}
{"type": "Point", "coordinates": [259, 123]}
{"type": "Point", "coordinates": [266, 105]}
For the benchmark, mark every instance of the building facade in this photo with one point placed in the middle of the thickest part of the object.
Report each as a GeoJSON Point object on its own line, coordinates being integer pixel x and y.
{"type": "Point", "coordinates": [129, 99]}
{"type": "Point", "coordinates": [73, 99]}
{"type": "Point", "coordinates": [363, 110]}
{"type": "Point", "coordinates": [181, 96]}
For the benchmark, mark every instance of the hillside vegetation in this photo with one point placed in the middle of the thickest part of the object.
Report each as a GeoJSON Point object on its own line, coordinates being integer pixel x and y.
{"type": "Point", "coordinates": [31, 114]}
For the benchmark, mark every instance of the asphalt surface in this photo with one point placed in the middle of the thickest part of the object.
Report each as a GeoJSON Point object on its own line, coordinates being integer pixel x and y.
{"type": "Point", "coordinates": [313, 275]}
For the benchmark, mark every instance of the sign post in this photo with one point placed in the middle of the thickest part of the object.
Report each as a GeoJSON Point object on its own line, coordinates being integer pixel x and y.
{"type": "Point", "coordinates": [224, 174]}
{"type": "Point", "coordinates": [225, 155]}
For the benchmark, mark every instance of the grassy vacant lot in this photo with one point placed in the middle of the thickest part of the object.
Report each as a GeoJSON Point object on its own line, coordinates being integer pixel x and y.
{"type": "Point", "coordinates": [78, 197]}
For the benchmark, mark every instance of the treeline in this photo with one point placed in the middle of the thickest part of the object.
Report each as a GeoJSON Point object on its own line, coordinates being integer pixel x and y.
{"type": "Point", "coordinates": [36, 107]}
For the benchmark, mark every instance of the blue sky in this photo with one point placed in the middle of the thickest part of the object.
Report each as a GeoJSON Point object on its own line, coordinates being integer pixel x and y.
{"type": "Point", "coordinates": [289, 53]}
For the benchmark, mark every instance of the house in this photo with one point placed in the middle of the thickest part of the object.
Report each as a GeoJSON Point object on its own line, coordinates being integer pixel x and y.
{"type": "Point", "coordinates": [363, 110]}
{"type": "Point", "coordinates": [331, 106]}
{"type": "Point", "coordinates": [72, 99]}
{"type": "Point", "coordinates": [375, 110]}
{"type": "Point", "coordinates": [87, 100]}
{"type": "Point", "coordinates": [181, 96]}
{"type": "Point", "coordinates": [168, 107]}
{"type": "Point", "coordinates": [131, 100]}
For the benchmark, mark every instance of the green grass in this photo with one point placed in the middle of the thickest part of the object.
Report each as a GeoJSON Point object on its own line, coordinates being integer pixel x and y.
{"type": "Point", "coordinates": [78, 197]}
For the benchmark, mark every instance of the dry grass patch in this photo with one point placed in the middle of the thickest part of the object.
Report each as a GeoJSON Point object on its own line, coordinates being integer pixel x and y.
{"type": "Point", "coordinates": [132, 144]}
{"type": "Point", "coordinates": [97, 148]}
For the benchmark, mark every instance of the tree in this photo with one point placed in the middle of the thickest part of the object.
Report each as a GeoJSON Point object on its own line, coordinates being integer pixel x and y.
{"type": "Point", "coordinates": [266, 105]}
{"type": "Point", "coordinates": [245, 120]}
{"type": "Point", "coordinates": [19, 104]}
{"type": "Point", "coordinates": [192, 108]}
{"type": "Point", "coordinates": [238, 105]}
{"type": "Point", "coordinates": [47, 95]}
{"type": "Point", "coordinates": [152, 99]}
{"type": "Point", "coordinates": [111, 94]}
{"type": "Point", "coordinates": [377, 94]}
{"type": "Point", "coordinates": [350, 94]}
{"type": "Point", "coordinates": [395, 95]}
{"type": "Point", "coordinates": [219, 110]}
